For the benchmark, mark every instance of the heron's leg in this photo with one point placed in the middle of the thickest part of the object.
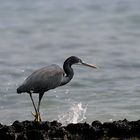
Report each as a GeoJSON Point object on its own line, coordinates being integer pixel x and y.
{"type": "Point", "coordinates": [38, 107]}
{"type": "Point", "coordinates": [36, 113]}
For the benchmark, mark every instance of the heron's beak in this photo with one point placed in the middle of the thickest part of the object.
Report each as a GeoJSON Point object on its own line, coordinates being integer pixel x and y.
{"type": "Point", "coordinates": [89, 65]}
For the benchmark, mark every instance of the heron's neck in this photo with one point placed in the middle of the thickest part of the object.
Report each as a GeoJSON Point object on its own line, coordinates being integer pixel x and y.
{"type": "Point", "coordinates": [69, 73]}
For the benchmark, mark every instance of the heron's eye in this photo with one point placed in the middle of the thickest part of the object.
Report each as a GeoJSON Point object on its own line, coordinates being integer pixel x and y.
{"type": "Point", "coordinates": [80, 61]}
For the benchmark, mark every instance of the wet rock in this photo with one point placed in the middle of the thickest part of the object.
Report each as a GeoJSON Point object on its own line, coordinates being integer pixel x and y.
{"type": "Point", "coordinates": [117, 128]}
{"type": "Point", "coordinates": [19, 127]}
{"type": "Point", "coordinates": [30, 130]}
{"type": "Point", "coordinates": [57, 133]}
{"type": "Point", "coordinates": [97, 124]}
{"type": "Point", "coordinates": [135, 127]}
{"type": "Point", "coordinates": [7, 133]}
{"type": "Point", "coordinates": [98, 128]}
{"type": "Point", "coordinates": [35, 135]}
{"type": "Point", "coordinates": [81, 131]}
{"type": "Point", "coordinates": [22, 136]}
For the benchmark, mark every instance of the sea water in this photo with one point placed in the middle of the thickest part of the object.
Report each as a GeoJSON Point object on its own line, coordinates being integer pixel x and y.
{"type": "Point", "coordinates": [35, 33]}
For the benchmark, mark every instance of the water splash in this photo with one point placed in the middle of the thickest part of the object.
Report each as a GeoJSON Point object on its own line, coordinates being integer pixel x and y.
{"type": "Point", "coordinates": [75, 114]}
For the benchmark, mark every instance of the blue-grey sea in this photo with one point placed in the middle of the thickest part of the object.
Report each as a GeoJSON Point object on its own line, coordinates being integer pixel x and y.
{"type": "Point", "coordinates": [36, 33]}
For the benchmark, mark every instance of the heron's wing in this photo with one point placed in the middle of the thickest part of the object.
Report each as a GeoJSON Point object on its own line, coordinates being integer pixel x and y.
{"type": "Point", "coordinates": [44, 79]}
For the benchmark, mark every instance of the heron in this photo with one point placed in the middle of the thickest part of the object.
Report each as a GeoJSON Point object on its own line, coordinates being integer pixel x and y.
{"type": "Point", "coordinates": [47, 78]}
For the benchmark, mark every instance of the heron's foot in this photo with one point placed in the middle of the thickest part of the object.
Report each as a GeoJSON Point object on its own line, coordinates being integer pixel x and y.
{"type": "Point", "coordinates": [36, 116]}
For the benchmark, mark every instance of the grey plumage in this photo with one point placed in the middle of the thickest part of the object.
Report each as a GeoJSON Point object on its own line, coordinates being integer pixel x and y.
{"type": "Point", "coordinates": [43, 80]}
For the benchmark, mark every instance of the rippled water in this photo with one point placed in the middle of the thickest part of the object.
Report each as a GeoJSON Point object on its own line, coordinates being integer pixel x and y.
{"type": "Point", "coordinates": [36, 33]}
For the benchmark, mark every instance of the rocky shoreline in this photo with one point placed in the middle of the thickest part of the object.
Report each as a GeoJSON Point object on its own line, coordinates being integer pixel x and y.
{"type": "Point", "coordinates": [30, 130]}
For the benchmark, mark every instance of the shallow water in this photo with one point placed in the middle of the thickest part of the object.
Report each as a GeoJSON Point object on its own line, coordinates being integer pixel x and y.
{"type": "Point", "coordinates": [34, 34]}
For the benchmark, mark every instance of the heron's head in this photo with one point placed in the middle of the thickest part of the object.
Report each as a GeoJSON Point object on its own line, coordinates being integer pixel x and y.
{"type": "Point", "coordinates": [77, 61]}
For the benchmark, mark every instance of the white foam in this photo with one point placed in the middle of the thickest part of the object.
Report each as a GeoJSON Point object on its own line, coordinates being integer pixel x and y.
{"type": "Point", "coordinates": [75, 114]}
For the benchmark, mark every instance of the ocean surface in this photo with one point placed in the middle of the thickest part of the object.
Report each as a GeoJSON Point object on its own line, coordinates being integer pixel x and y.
{"type": "Point", "coordinates": [36, 33]}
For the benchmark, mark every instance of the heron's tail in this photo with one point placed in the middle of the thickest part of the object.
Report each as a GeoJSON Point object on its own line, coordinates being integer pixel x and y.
{"type": "Point", "coordinates": [20, 89]}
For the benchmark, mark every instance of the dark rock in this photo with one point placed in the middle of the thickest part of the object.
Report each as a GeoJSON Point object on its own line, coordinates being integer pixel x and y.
{"type": "Point", "coordinates": [81, 131]}
{"type": "Point", "coordinates": [117, 128]}
{"type": "Point", "coordinates": [98, 128]}
{"type": "Point", "coordinates": [30, 130]}
{"type": "Point", "coordinates": [22, 136]}
{"type": "Point", "coordinates": [56, 132]}
{"type": "Point", "coordinates": [55, 123]}
{"type": "Point", "coordinates": [45, 125]}
{"type": "Point", "coordinates": [19, 127]}
{"type": "Point", "coordinates": [35, 135]}
{"type": "Point", "coordinates": [7, 133]}
{"type": "Point", "coordinates": [97, 124]}
{"type": "Point", "coordinates": [135, 128]}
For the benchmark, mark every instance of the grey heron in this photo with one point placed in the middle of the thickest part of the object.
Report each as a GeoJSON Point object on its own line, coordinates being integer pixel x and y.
{"type": "Point", "coordinates": [47, 78]}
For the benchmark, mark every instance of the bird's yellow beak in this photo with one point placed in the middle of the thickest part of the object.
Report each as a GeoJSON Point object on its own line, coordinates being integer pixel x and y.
{"type": "Point", "coordinates": [89, 65]}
